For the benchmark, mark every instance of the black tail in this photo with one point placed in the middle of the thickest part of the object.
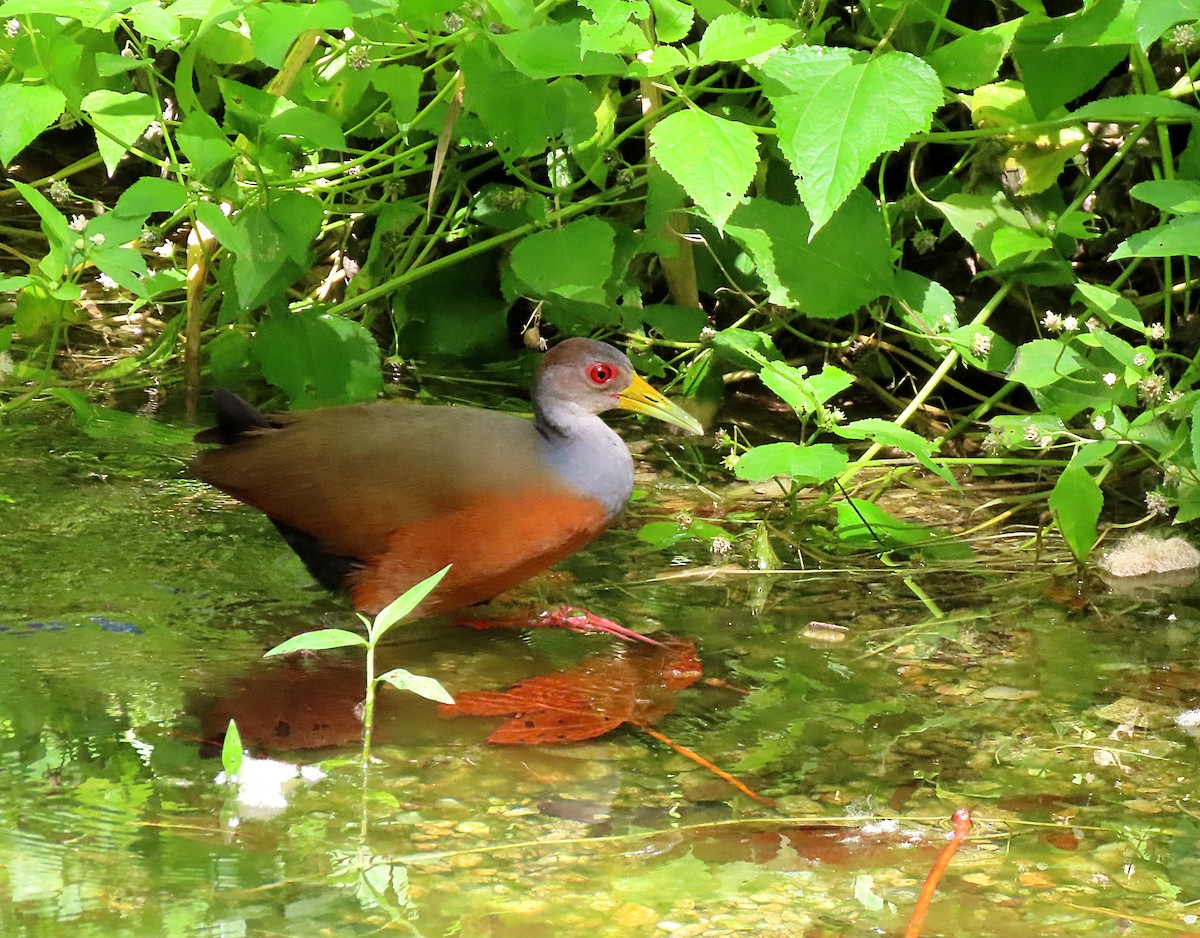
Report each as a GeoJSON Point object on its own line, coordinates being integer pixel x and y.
{"type": "Point", "coordinates": [235, 417]}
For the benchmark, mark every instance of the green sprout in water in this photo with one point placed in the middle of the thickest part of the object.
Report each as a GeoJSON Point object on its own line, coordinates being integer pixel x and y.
{"type": "Point", "coordinates": [322, 639]}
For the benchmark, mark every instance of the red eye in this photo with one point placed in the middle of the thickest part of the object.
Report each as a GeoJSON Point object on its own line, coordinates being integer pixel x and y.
{"type": "Point", "coordinates": [602, 373]}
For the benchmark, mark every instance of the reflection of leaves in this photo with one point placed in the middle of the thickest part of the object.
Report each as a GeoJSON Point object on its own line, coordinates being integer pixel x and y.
{"type": "Point", "coordinates": [1182, 862]}
{"type": "Point", "coordinates": [632, 686]}
{"type": "Point", "coordinates": [652, 884]}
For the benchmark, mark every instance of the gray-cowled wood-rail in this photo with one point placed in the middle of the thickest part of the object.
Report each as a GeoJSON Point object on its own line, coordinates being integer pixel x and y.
{"type": "Point", "coordinates": [376, 497]}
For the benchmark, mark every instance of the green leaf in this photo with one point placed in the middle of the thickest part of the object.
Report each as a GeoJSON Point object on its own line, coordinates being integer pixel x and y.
{"type": "Point", "coordinates": [520, 113]}
{"type": "Point", "coordinates": [675, 323]}
{"type": "Point", "coordinates": [88, 12]}
{"type": "Point", "coordinates": [888, 434]}
{"type": "Point", "coordinates": [38, 310]}
{"type": "Point", "coordinates": [1043, 362]}
{"type": "Point", "coordinates": [1155, 17]}
{"type": "Point", "coordinates": [1110, 306]}
{"type": "Point", "coordinates": [735, 37]}
{"type": "Point", "coordinates": [999, 351]}
{"type": "Point", "coordinates": [975, 58]}
{"type": "Point", "coordinates": [275, 244]}
{"type": "Point", "coordinates": [426, 687]}
{"type": "Point", "coordinates": [515, 14]}
{"type": "Point", "coordinates": [861, 523]}
{"type": "Point", "coordinates": [615, 27]}
{"type": "Point", "coordinates": [1018, 242]}
{"type": "Point", "coordinates": [319, 359]}
{"type": "Point", "coordinates": [1135, 108]}
{"type": "Point", "coordinates": [318, 640]}
{"type": "Point", "coordinates": [926, 308]}
{"type": "Point", "coordinates": [979, 216]}
{"type": "Point", "coordinates": [573, 261]}
{"type": "Point", "coordinates": [149, 195]}
{"type": "Point", "coordinates": [837, 111]}
{"type": "Point", "coordinates": [120, 119]}
{"type": "Point", "coordinates": [1075, 503]}
{"type": "Point", "coordinates": [1119, 349]}
{"type": "Point", "coordinates": [717, 182]}
{"type": "Point", "coordinates": [205, 145]}
{"type": "Point", "coordinates": [745, 348]}
{"type": "Point", "coordinates": [1054, 75]}
{"type": "Point", "coordinates": [792, 386]}
{"type": "Point", "coordinates": [1095, 453]}
{"type": "Point", "coordinates": [402, 605]}
{"type": "Point", "coordinates": [125, 265]}
{"type": "Point", "coordinates": [1179, 237]}
{"type": "Point", "coordinates": [829, 381]}
{"type": "Point", "coordinates": [104, 423]}
{"type": "Point", "coordinates": [151, 20]}
{"type": "Point", "coordinates": [55, 226]}
{"type": "Point", "coordinates": [402, 85]}
{"type": "Point", "coordinates": [274, 26]}
{"type": "Point", "coordinates": [27, 110]}
{"type": "Point", "coordinates": [552, 50]}
{"type": "Point", "coordinates": [813, 464]}
{"type": "Point", "coordinates": [219, 224]}
{"type": "Point", "coordinates": [846, 264]}
{"type": "Point", "coordinates": [232, 751]}
{"type": "Point", "coordinates": [672, 19]}
{"type": "Point", "coordinates": [1181, 196]}
{"type": "Point", "coordinates": [660, 60]}
{"type": "Point", "coordinates": [1100, 23]}
{"type": "Point", "coordinates": [668, 533]}
{"type": "Point", "coordinates": [306, 125]}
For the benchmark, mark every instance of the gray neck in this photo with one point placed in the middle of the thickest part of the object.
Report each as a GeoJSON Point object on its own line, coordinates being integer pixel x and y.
{"type": "Point", "coordinates": [586, 452]}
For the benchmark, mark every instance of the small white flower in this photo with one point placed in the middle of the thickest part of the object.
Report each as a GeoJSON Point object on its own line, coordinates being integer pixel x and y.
{"type": "Point", "coordinates": [107, 282]}
{"type": "Point", "coordinates": [1110, 379]}
{"type": "Point", "coordinates": [97, 239]}
{"type": "Point", "coordinates": [59, 190]}
{"type": "Point", "coordinates": [1139, 359]}
{"type": "Point", "coordinates": [1099, 423]}
{"type": "Point", "coordinates": [981, 344]}
{"type": "Point", "coordinates": [836, 414]}
{"type": "Point", "coordinates": [1070, 324]}
{"type": "Point", "coordinates": [1157, 331]}
{"type": "Point", "coordinates": [1152, 389]}
{"type": "Point", "coordinates": [166, 250]}
{"type": "Point", "coordinates": [1157, 504]}
{"type": "Point", "coordinates": [77, 223]}
{"type": "Point", "coordinates": [12, 27]}
{"type": "Point", "coordinates": [949, 321]}
{"type": "Point", "coordinates": [1093, 324]}
{"type": "Point", "coordinates": [1052, 321]}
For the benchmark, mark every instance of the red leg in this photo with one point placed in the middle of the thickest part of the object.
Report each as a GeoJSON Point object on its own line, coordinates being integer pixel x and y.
{"type": "Point", "coordinates": [584, 622]}
{"type": "Point", "coordinates": [567, 617]}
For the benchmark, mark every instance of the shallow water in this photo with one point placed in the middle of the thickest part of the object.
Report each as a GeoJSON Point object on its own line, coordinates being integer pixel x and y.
{"type": "Point", "coordinates": [135, 605]}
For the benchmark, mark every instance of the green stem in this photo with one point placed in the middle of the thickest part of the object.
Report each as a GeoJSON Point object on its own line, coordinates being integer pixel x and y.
{"type": "Point", "coordinates": [368, 725]}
